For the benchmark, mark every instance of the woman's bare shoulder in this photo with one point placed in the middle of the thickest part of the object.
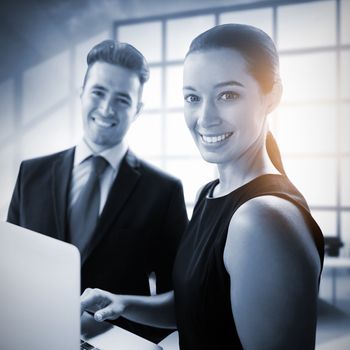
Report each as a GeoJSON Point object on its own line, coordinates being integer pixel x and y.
{"type": "Point", "coordinates": [274, 227]}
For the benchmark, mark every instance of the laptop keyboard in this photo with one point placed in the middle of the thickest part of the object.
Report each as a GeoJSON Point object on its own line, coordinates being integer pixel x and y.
{"type": "Point", "coordinates": [86, 346]}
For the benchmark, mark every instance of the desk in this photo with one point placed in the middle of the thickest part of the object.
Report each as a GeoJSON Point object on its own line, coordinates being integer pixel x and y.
{"type": "Point", "coordinates": [341, 343]}
{"type": "Point", "coordinates": [335, 264]}
{"type": "Point", "coordinates": [171, 342]}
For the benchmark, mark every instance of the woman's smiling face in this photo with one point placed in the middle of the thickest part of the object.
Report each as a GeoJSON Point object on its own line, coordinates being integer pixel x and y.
{"type": "Point", "coordinates": [224, 107]}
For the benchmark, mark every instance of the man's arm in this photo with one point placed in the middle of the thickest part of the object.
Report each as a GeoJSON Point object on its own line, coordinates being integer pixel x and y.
{"type": "Point", "coordinates": [156, 311]}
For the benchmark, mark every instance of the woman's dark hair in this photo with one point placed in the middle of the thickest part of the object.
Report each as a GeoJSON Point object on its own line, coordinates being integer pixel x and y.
{"type": "Point", "coordinates": [262, 59]}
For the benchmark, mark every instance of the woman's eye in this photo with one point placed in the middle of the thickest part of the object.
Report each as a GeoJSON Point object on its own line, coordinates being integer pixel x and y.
{"type": "Point", "coordinates": [191, 98]}
{"type": "Point", "coordinates": [228, 95]}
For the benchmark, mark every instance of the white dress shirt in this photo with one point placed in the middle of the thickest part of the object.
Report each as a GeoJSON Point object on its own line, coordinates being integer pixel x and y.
{"type": "Point", "coordinates": [82, 169]}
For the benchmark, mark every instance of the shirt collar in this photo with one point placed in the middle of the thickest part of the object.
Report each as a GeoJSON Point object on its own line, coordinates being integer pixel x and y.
{"type": "Point", "coordinates": [112, 155]}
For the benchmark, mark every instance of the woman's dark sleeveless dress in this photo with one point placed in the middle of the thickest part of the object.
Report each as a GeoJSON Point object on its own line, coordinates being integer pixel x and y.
{"type": "Point", "coordinates": [201, 283]}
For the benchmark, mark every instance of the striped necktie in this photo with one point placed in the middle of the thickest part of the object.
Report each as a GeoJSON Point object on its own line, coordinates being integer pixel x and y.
{"type": "Point", "coordinates": [84, 213]}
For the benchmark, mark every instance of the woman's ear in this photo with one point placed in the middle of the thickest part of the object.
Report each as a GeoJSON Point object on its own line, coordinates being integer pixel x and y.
{"type": "Point", "coordinates": [274, 96]}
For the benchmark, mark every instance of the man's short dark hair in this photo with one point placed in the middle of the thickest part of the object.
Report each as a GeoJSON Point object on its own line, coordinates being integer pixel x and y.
{"type": "Point", "coordinates": [120, 54]}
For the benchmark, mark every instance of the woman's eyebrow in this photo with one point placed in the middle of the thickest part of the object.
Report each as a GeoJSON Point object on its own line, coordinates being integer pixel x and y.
{"type": "Point", "coordinates": [224, 83]}
{"type": "Point", "coordinates": [230, 83]}
{"type": "Point", "coordinates": [188, 88]}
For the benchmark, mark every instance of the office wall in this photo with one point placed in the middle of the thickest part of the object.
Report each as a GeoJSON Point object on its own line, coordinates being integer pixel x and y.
{"type": "Point", "coordinates": [311, 125]}
{"type": "Point", "coordinates": [40, 103]}
{"type": "Point", "coordinates": [43, 49]}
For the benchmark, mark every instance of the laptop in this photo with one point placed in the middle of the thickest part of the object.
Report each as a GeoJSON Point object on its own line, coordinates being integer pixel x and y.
{"type": "Point", "coordinates": [40, 298]}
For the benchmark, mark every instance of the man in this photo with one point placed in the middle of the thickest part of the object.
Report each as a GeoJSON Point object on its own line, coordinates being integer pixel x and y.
{"type": "Point", "coordinates": [125, 216]}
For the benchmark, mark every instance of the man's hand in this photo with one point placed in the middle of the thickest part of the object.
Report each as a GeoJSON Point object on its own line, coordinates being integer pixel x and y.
{"type": "Point", "coordinates": [102, 304]}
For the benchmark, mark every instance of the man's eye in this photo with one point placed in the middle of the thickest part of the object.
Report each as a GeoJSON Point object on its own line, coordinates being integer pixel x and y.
{"type": "Point", "coordinates": [191, 98]}
{"type": "Point", "coordinates": [97, 93]}
{"type": "Point", "coordinates": [228, 95]}
{"type": "Point", "coordinates": [122, 102]}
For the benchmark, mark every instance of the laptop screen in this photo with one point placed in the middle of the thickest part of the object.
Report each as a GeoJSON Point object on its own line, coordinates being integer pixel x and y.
{"type": "Point", "coordinates": [40, 291]}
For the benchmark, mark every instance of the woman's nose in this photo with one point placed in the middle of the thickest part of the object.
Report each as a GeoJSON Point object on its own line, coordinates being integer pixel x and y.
{"type": "Point", "coordinates": [208, 115]}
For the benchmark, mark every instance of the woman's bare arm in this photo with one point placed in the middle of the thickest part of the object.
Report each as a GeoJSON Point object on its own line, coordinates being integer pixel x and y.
{"type": "Point", "coordinates": [274, 267]}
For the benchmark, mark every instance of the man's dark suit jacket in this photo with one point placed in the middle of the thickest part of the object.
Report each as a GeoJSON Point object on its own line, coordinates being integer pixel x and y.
{"type": "Point", "coordinates": [138, 231]}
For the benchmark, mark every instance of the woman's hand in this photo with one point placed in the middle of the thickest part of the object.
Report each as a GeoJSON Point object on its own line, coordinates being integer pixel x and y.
{"type": "Point", "coordinates": [102, 304]}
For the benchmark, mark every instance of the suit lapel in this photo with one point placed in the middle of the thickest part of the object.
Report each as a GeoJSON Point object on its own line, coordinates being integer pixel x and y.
{"type": "Point", "coordinates": [61, 173]}
{"type": "Point", "coordinates": [122, 188]}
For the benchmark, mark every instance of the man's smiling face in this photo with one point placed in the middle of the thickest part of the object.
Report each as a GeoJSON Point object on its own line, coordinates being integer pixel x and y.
{"type": "Point", "coordinates": [110, 103]}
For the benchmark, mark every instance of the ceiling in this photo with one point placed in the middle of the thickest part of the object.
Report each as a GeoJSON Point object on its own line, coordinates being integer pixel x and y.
{"type": "Point", "coordinates": [34, 30]}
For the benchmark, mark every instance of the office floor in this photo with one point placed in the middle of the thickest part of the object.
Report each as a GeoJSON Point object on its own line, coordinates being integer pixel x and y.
{"type": "Point", "coordinates": [333, 326]}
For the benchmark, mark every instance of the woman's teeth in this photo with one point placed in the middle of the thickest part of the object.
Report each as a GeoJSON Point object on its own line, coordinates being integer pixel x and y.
{"type": "Point", "coordinates": [217, 138]}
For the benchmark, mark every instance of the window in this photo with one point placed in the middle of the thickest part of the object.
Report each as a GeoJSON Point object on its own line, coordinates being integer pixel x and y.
{"type": "Point", "coordinates": [40, 112]}
{"type": "Point", "coordinates": [180, 32]}
{"type": "Point", "coordinates": [312, 124]}
{"type": "Point", "coordinates": [306, 25]}
{"type": "Point", "coordinates": [261, 18]}
{"type": "Point", "coordinates": [160, 134]}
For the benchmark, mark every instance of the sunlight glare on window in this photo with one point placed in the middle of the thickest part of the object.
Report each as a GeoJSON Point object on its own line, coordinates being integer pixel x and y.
{"type": "Point", "coordinates": [312, 174]}
{"type": "Point", "coordinates": [345, 129]}
{"type": "Point", "coordinates": [174, 82]}
{"type": "Point", "coordinates": [327, 221]}
{"type": "Point", "coordinates": [149, 43]}
{"type": "Point", "coordinates": [308, 77]}
{"type": "Point", "coordinates": [181, 31]}
{"type": "Point", "coordinates": [312, 126]}
{"type": "Point", "coordinates": [144, 136]}
{"type": "Point", "coordinates": [345, 74]}
{"type": "Point", "coordinates": [311, 24]}
{"type": "Point", "coordinates": [178, 138]}
{"type": "Point", "coordinates": [80, 53]}
{"type": "Point", "coordinates": [152, 91]}
{"type": "Point", "coordinates": [345, 229]}
{"type": "Point", "coordinates": [193, 173]}
{"type": "Point", "coordinates": [260, 18]}
{"type": "Point", "coordinates": [345, 183]}
{"type": "Point", "coordinates": [344, 22]}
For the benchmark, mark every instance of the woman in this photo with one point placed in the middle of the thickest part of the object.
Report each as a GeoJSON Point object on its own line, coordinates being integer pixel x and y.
{"type": "Point", "coordinates": [247, 271]}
